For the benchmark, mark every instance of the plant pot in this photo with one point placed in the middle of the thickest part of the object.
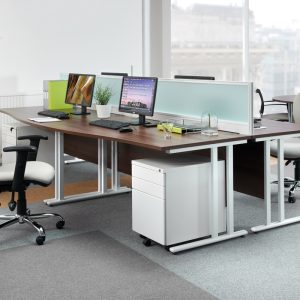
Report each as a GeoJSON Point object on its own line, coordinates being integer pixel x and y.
{"type": "Point", "coordinates": [103, 111]}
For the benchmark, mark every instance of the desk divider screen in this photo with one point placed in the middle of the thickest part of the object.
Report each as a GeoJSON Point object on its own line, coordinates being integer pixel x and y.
{"type": "Point", "coordinates": [57, 94]}
{"type": "Point", "coordinates": [230, 102]}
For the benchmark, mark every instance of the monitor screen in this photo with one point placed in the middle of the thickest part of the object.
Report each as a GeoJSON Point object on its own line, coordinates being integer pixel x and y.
{"type": "Point", "coordinates": [114, 74]}
{"type": "Point", "coordinates": [138, 96]}
{"type": "Point", "coordinates": [80, 90]}
{"type": "Point", "coordinates": [194, 77]}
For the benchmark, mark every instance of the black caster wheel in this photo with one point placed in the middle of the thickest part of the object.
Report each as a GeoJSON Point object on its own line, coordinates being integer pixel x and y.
{"type": "Point", "coordinates": [12, 205]}
{"type": "Point", "coordinates": [292, 199]}
{"type": "Point", "coordinates": [147, 242]}
{"type": "Point", "coordinates": [40, 240]}
{"type": "Point", "coordinates": [60, 224]}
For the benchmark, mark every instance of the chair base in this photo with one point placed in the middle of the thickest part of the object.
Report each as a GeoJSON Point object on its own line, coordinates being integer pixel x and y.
{"type": "Point", "coordinates": [29, 219]}
{"type": "Point", "coordinates": [292, 184]}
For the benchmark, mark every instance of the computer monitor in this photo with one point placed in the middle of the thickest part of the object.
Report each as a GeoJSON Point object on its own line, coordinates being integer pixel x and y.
{"type": "Point", "coordinates": [114, 74]}
{"type": "Point", "coordinates": [194, 77]}
{"type": "Point", "coordinates": [138, 97]}
{"type": "Point", "coordinates": [80, 91]}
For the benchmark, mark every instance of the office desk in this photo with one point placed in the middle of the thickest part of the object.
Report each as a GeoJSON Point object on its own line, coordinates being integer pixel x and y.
{"type": "Point", "coordinates": [249, 150]}
{"type": "Point", "coordinates": [144, 138]}
{"type": "Point", "coordinates": [289, 100]}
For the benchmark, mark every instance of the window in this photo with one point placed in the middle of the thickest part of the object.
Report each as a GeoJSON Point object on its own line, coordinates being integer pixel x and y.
{"type": "Point", "coordinates": [275, 47]}
{"type": "Point", "coordinates": [206, 38]}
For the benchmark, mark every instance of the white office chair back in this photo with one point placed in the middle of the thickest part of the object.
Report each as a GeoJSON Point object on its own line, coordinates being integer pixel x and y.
{"type": "Point", "coordinates": [296, 109]}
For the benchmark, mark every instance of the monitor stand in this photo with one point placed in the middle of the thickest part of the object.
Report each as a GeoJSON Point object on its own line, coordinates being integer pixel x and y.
{"type": "Point", "coordinates": [142, 121]}
{"type": "Point", "coordinates": [83, 111]}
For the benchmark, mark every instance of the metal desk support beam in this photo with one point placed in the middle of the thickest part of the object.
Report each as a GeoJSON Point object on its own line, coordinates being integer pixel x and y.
{"type": "Point", "coordinates": [281, 211]}
{"type": "Point", "coordinates": [230, 233]}
{"type": "Point", "coordinates": [102, 174]}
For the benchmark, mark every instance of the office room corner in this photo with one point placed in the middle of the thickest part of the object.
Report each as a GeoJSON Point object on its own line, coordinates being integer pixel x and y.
{"type": "Point", "coordinates": [149, 149]}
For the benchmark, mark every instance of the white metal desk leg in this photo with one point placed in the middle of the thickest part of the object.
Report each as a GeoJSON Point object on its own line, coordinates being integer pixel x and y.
{"type": "Point", "coordinates": [215, 238]}
{"type": "Point", "coordinates": [214, 190]}
{"type": "Point", "coordinates": [267, 179]}
{"type": "Point", "coordinates": [280, 165]}
{"type": "Point", "coordinates": [281, 214]}
{"type": "Point", "coordinates": [59, 169]}
{"type": "Point", "coordinates": [267, 189]}
{"type": "Point", "coordinates": [59, 165]}
{"type": "Point", "coordinates": [229, 189]}
{"type": "Point", "coordinates": [102, 166]}
{"type": "Point", "coordinates": [102, 175]}
{"type": "Point", "coordinates": [115, 181]}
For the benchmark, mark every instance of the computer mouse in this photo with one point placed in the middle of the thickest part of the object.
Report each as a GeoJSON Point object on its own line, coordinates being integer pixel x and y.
{"type": "Point", "coordinates": [125, 129]}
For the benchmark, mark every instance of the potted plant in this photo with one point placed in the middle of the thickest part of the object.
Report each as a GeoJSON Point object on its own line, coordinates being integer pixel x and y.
{"type": "Point", "coordinates": [102, 96]}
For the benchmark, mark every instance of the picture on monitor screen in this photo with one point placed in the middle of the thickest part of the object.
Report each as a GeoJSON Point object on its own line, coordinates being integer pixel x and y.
{"type": "Point", "coordinates": [80, 90]}
{"type": "Point", "coordinates": [138, 96]}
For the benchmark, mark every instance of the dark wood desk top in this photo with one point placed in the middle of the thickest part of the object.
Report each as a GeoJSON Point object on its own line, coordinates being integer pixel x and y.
{"type": "Point", "coordinates": [284, 98]}
{"type": "Point", "coordinates": [276, 128]}
{"type": "Point", "coordinates": [143, 137]}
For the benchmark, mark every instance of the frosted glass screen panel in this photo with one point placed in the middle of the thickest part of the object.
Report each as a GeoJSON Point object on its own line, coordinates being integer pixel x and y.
{"type": "Point", "coordinates": [115, 83]}
{"type": "Point", "coordinates": [229, 101]}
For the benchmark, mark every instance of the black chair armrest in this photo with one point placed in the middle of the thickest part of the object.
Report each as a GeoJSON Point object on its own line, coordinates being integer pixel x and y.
{"type": "Point", "coordinates": [18, 184]}
{"type": "Point", "coordinates": [20, 149]}
{"type": "Point", "coordinates": [34, 141]}
{"type": "Point", "coordinates": [33, 137]}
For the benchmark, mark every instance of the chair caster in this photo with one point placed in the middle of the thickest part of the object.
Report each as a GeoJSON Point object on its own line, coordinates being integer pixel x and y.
{"type": "Point", "coordinates": [147, 242]}
{"type": "Point", "coordinates": [60, 224]}
{"type": "Point", "coordinates": [292, 199]}
{"type": "Point", "coordinates": [40, 240]}
{"type": "Point", "coordinates": [12, 205]}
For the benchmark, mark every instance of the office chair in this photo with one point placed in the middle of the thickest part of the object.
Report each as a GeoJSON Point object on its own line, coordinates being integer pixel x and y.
{"type": "Point", "coordinates": [194, 77]}
{"type": "Point", "coordinates": [274, 116]}
{"type": "Point", "coordinates": [15, 178]}
{"type": "Point", "coordinates": [291, 154]}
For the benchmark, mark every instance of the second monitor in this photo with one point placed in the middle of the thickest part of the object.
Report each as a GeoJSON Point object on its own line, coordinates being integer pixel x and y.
{"type": "Point", "coordinates": [80, 91]}
{"type": "Point", "coordinates": [138, 97]}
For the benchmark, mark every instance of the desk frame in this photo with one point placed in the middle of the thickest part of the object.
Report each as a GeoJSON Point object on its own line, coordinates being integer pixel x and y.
{"type": "Point", "coordinates": [59, 197]}
{"type": "Point", "coordinates": [282, 221]}
{"type": "Point", "coordinates": [272, 131]}
{"type": "Point", "coordinates": [214, 189]}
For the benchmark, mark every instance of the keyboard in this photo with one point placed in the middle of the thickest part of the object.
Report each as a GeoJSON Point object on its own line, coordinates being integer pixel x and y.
{"type": "Point", "coordinates": [54, 114]}
{"type": "Point", "coordinates": [111, 124]}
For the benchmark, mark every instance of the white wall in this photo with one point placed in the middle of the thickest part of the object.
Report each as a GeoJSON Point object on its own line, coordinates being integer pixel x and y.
{"type": "Point", "coordinates": [41, 39]}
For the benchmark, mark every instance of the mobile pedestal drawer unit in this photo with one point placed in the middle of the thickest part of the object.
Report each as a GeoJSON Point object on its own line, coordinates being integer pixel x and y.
{"type": "Point", "coordinates": [170, 199]}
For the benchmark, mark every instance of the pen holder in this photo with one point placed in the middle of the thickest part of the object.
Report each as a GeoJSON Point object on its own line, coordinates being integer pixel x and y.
{"type": "Point", "coordinates": [209, 124]}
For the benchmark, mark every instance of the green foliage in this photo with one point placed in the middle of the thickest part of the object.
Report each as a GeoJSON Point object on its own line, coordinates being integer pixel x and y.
{"type": "Point", "coordinates": [102, 94]}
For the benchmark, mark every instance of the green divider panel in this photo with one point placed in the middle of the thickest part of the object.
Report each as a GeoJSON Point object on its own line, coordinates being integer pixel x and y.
{"type": "Point", "coordinates": [57, 94]}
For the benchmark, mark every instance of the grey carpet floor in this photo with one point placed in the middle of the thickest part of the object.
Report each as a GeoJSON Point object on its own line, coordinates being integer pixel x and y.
{"type": "Point", "coordinates": [259, 266]}
{"type": "Point", "coordinates": [88, 266]}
